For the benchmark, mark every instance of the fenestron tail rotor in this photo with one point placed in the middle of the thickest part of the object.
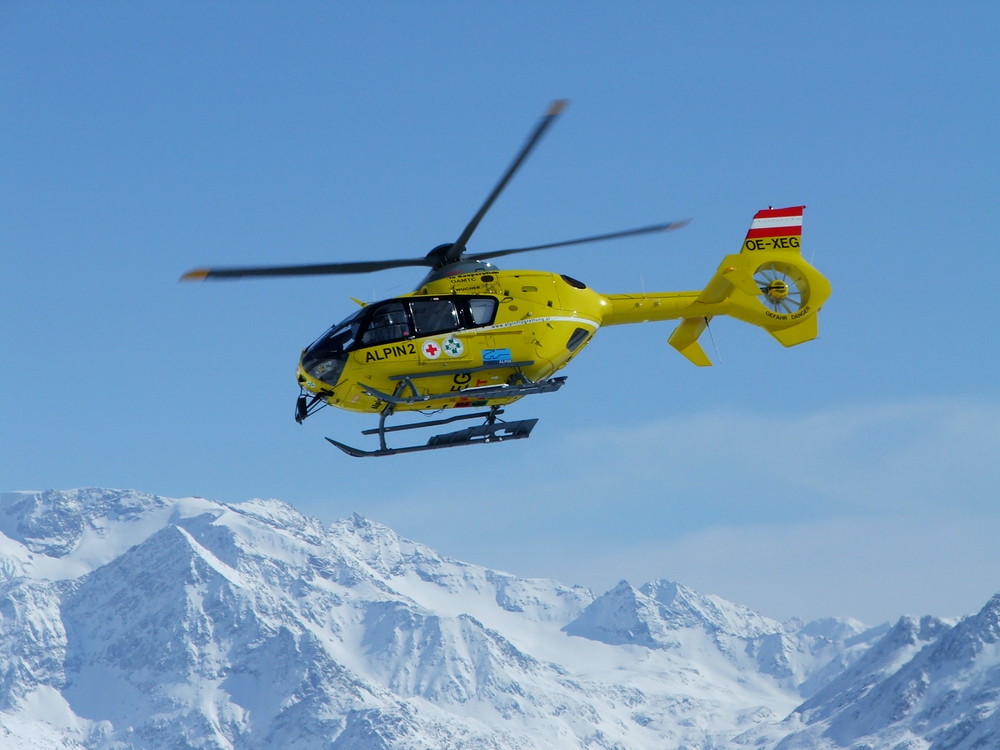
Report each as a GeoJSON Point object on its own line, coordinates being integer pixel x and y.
{"type": "Point", "coordinates": [782, 288]}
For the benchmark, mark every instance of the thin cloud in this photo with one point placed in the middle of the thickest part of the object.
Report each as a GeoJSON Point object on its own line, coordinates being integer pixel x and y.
{"type": "Point", "coordinates": [868, 456]}
{"type": "Point", "coordinates": [874, 569]}
{"type": "Point", "coordinates": [857, 511]}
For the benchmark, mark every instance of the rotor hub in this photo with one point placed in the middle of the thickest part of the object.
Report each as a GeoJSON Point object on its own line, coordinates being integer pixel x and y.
{"type": "Point", "coordinates": [777, 289]}
{"type": "Point", "coordinates": [783, 288]}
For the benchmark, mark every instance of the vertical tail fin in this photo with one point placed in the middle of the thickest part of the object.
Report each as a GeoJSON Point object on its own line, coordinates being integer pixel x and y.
{"type": "Point", "coordinates": [768, 284]}
{"type": "Point", "coordinates": [775, 229]}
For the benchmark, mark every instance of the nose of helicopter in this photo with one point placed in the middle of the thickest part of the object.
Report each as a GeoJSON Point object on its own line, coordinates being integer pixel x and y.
{"type": "Point", "coordinates": [318, 378]}
{"type": "Point", "coordinates": [320, 373]}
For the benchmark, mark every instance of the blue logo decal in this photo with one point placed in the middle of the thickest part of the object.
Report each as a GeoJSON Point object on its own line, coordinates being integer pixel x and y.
{"type": "Point", "coordinates": [496, 355]}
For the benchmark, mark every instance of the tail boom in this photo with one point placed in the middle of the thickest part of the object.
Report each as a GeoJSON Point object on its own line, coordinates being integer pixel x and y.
{"type": "Point", "coordinates": [768, 284]}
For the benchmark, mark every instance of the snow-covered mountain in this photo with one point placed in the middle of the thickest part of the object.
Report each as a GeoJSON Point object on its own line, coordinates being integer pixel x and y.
{"type": "Point", "coordinates": [129, 620]}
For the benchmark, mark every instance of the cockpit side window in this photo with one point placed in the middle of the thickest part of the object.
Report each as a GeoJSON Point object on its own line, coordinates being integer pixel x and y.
{"type": "Point", "coordinates": [482, 310]}
{"type": "Point", "coordinates": [342, 339]}
{"type": "Point", "coordinates": [434, 316]}
{"type": "Point", "coordinates": [389, 322]}
{"type": "Point", "coordinates": [338, 339]}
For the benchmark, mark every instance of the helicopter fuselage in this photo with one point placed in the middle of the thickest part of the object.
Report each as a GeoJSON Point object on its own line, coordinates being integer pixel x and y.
{"type": "Point", "coordinates": [454, 334]}
{"type": "Point", "coordinates": [459, 339]}
{"type": "Point", "coordinates": [470, 331]}
{"type": "Point", "coordinates": [473, 335]}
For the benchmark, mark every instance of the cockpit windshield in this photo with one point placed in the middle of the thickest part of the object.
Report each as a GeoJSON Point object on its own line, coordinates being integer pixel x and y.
{"type": "Point", "coordinates": [324, 359]}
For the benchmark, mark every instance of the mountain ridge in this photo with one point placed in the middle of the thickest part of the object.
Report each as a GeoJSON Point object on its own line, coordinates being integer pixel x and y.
{"type": "Point", "coordinates": [132, 620]}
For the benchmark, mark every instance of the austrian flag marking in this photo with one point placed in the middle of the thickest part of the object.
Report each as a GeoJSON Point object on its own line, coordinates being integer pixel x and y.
{"type": "Point", "coordinates": [431, 349]}
{"type": "Point", "coordinates": [776, 222]}
{"type": "Point", "coordinates": [775, 229]}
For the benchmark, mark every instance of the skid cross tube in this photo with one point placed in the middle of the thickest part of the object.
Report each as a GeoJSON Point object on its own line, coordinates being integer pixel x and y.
{"type": "Point", "coordinates": [464, 370]}
{"type": "Point", "coordinates": [434, 422]}
{"type": "Point", "coordinates": [493, 430]}
{"type": "Point", "coordinates": [513, 390]}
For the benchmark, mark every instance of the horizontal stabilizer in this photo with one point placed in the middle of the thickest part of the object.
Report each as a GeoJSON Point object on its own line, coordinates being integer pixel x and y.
{"type": "Point", "coordinates": [767, 284]}
{"type": "Point", "coordinates": [685, 340]}
{"type": "Point", "coordinates": [807, 330]}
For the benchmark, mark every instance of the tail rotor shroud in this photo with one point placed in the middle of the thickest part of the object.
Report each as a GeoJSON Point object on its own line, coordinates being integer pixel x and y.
{"type": "Point", "coordinates": [783, 288]}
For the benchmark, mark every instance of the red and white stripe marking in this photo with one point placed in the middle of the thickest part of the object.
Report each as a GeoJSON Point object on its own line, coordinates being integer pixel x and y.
{"type": "Point", "coordinates": [776, 222]}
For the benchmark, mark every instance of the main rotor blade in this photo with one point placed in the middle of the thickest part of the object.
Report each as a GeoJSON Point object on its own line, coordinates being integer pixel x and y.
{"type": "Point", "coordinates": [365, 266]}
{"type": "Point", "coordinates": [456, 250]}
{"type": "Point", "coordinates": [669, 226]}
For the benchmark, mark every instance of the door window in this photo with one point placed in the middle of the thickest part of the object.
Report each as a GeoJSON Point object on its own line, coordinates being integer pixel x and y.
{"type": "Point", "coordinates": [482, 310]}
{"type": "Point", "coordinates": [434, 316]}
{"type": "Point", "coordinates": [389, 322]}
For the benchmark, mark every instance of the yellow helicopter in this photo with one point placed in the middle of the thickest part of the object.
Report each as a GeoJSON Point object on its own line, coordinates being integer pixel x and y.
{"type": "Point", "coordinates": [472, 335]}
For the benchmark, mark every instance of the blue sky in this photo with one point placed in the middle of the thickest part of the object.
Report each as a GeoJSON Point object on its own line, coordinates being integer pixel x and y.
{"type": "Point", "coordinates": [854, 475]}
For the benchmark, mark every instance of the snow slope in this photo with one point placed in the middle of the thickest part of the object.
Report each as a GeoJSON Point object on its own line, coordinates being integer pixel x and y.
{"type": "Point", "coordinates": [129, 620]}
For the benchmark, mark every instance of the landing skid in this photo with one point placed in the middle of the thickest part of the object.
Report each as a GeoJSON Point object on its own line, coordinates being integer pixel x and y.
{"type": "Point", "coordinates": [493, 430]}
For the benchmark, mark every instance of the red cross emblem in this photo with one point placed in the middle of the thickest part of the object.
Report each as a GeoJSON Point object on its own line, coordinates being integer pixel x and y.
{"type": "Point", "coordinates": [431, 350]}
